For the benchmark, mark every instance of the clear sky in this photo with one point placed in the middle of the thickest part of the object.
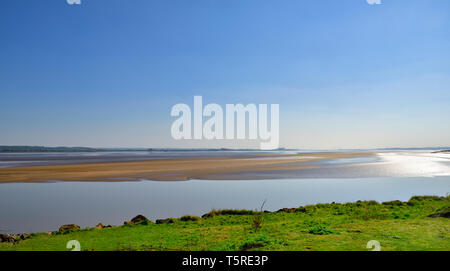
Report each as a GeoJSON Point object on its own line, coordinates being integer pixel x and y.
{"type": "Point", "coordinates": [107, 72]}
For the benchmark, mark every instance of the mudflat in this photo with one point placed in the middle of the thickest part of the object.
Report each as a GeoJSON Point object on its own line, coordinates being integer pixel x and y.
{"type": "Point", "coordinates": [172, 169]}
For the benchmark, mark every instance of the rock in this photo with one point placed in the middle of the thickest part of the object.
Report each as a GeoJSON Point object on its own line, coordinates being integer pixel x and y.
{"type": "Point", "coordinates": [69, 227]}
{"type": "Point", "coordinates": [139, 219]}
{"type": "Point", "coordinates": [7, 238]}
{"type": "Point", "coordinates": [99, 226]}
{"type": "Point", "coordinates": [165, 221]}
{"type": "Point", "coordinates": [24, 236]}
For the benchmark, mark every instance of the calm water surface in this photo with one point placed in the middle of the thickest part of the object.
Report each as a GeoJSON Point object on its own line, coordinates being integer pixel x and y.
{"type": "Point", "coordinates": [37, 207]}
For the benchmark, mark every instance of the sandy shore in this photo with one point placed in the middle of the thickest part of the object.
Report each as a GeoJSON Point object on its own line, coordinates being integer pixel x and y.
{"type": "Point", "coordinates": [172, 169]}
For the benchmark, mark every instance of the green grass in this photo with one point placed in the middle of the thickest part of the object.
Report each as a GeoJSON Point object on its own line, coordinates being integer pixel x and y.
{"type": "Point", "coordinates": [396, 225]}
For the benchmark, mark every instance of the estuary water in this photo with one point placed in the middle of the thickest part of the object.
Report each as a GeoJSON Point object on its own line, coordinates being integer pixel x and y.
{"type": "Point", "coordinates": [43, 207]}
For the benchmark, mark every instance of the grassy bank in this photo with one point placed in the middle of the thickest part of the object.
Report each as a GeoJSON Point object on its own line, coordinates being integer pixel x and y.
{"type": "Point", "coordinates": [396, 225]}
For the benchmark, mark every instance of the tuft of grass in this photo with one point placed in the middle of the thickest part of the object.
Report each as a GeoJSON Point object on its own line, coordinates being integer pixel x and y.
{"type": "Point", "coordinates": [254, 242]}
{"type": "Point", "coordinates": [320, 229]}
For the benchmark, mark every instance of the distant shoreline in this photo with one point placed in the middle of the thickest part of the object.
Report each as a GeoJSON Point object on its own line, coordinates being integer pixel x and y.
{"type": "Point", "coordinates": [37, 149]}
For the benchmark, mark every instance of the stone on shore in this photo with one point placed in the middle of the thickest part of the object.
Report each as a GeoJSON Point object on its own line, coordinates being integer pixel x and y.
{"type": "Point", "coordinates": [139, 219]}
{"type": "Point", "coordinates": [99, 226]}
{"type": "Point", "coordinates": [69, 227]}
{"type": "Point", "coordinates": [7, 238]}
{"type": "Point", "coordinates": [12, 238]}
{"type": "Point", "coordinates": [165, 221]}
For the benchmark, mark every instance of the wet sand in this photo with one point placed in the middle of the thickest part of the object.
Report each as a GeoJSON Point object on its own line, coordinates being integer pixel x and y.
{"type": "Point", "coordinates": [175, 169]}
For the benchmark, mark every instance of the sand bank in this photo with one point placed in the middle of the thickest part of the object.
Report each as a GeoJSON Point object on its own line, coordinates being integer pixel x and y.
{"type": "Point", "coordinates": [174, 169]}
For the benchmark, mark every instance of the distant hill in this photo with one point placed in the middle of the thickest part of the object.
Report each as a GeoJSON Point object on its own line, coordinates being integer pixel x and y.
{"type": "Point", "coordinates": [45, 149]}
{"type": "Point", "coordinates": [87, 149]}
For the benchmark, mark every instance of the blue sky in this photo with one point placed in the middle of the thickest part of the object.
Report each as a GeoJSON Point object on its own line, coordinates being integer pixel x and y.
{"type": "Point", "coordinates": [107, 72]}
